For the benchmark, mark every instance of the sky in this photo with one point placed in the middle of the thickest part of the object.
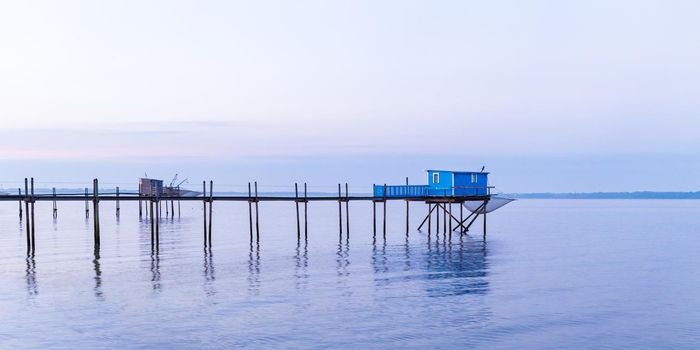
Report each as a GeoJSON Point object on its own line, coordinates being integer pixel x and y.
{"type": "Point", "coordinates": [549, 96]}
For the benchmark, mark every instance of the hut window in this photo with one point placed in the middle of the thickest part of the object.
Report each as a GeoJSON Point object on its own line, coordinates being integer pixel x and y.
{"type": "Point", "coordinates": [436, 178]}
{"type": "Point", "coordinates": [473, 178]}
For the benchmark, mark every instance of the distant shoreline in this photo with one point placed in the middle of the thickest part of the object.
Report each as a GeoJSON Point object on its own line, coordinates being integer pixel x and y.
{"type": "Point", "coordinates": [608, 195]}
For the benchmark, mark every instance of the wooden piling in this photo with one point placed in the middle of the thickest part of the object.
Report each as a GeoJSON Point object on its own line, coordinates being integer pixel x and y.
{"type": "Point", "coordinates": [87, 208]}
{"type": "Point", "coordinates": [211, 202]}
{"type": "Point", "coordinates": [476, 215]}
{"type": "Point", "coordinates": [462, 227]}
{"type": "Point", "coordinates": [204, 204]}
{"type": "Point", "coordinates": [374, 218]}
{"type": "Point", "coordinates": [140, 207]}
{"type": "Point", "coordinates": [257, 216]}
{"type": "Point", "coordinates": [19, 192]}
{"type": "Point", "coordinates": [117, 207]}
{"type": "Point", "coordinates": [26, 207]}
{"type": "Point", "coordinates": [407, 203]}
{"type": "Point", "coordinates": [450, 217]}
{"type": "Point", "coordinates": [430, 216]}
{"type": "Point", "coordinates": [296, 203]}
{"type": "Point", "coordinates": [347, 213]}
{"type": "Point", "coordinates": [427, 217]}
{"type": "Point", "coordinates": [437, 219]}
{"type": "Point", "coordinates": [96, 211]}
{"type": "Point", "coordinates": [157, 220]}
{"type": "Point", "coordinates": [340, 215]}
{"type": "Point", "coordinates": [32, 214]}
{"type": "Point", "coordinates": [384, 216]}
{"type": "Point", "coordinates": [153, 227]}
{"type": "Point", "coordinates": [484, 215]}
{"type": "Point", "coordinates": [250, 213]}
{"type": "Point", "coordinates": [306, 222]}
{"type": "Point", "coordinates": [444, 219]}
{"type": "Point", "coordinates": [55, 209]}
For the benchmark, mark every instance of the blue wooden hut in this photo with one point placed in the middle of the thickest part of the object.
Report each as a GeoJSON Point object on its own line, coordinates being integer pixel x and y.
{"type": "Point", "coordinates": [457, 183]}
{"type": "Point", "coordinates": [441, 183]}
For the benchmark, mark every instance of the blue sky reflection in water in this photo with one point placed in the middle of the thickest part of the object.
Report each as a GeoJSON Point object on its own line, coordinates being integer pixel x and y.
{"type": "Point", "coordinates": [553, 274]}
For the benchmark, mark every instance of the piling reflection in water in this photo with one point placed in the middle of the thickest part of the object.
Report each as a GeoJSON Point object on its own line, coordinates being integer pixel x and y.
{"type": "Point", "coordinates": [31, 275]}
{"type": "Point", "coordinates": [209, 276]}
{"type": "Point", "coordinates": [379, 261]}
{"type": "Point", "coordinates": [254, 269]}
{"type": "Point", "coordinates": [450, 267]}
{"type": "Point", "coordinates": [301, 259]}
{"type": "Point", "coordinates": [155, 271]}
{"type": "Point", "coordinates": [342, 264]}
{"type": "Point", "coordinates": [98, 275]}
{"type": "Point", "coordinates": [343, 259]}
{"type": "Point", "coordinates": [407, 254]}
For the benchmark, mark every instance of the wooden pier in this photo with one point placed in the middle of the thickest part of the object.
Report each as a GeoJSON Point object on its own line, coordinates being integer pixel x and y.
{"type": "Point", "coordinates": [437, 204]}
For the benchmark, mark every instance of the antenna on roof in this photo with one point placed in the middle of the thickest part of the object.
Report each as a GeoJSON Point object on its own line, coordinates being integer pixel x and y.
{"type": "Point", "coordinates": [482, 168]}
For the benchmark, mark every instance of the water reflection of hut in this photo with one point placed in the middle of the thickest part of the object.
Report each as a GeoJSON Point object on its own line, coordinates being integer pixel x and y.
{"type": "Point", "coordinates": [456, 268]}
{"type": "Point", "coordinates": [449, 268]}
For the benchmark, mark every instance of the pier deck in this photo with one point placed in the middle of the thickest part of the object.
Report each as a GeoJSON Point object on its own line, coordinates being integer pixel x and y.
{"type": "Point", "coordinates": [151, 206]}
{"type": "Point", "coordinates": [82, 197]}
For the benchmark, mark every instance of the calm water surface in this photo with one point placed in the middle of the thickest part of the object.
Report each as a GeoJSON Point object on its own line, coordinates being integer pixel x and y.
{"type": "Point", "coordinates": [553, 274]}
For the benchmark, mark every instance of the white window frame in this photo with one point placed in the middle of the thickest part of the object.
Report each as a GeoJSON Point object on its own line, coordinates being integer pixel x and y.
{"type": "Point", "coordinates": [474, 178]}
{"type": "Point", "coordinates": [436, 178]}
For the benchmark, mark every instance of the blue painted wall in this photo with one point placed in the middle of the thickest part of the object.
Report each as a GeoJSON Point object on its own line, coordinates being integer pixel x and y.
{"type": "Point", "coordinates": [444, 186]}
{"type": "Point", "coordinates": [471, 184]}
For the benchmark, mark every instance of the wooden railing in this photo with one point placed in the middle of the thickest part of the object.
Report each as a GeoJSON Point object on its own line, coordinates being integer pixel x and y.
{"type": "Point", "coordinates": [414, 191]}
